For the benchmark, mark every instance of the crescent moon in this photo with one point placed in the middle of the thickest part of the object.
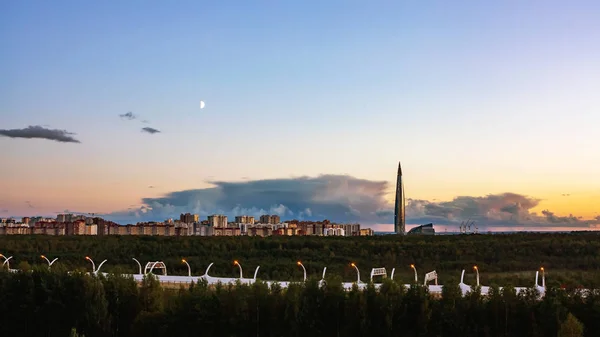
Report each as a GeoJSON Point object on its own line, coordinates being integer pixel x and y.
{"type": "Point", "coordinates": [201, 104]}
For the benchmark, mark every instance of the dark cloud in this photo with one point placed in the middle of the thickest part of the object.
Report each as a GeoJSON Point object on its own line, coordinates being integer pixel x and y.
{"type": "Point", "coordinates": [497, 210]}
{"type": "Point", "coordinates": [40, 132]}
{"type": "Point", "coordinates": [339, 198]}
{"type": "Point", "coordinates": [130, 116]}
{"type": "Point", "coordinates": [4, 211]}
{"type": "Point", "coordinates": [566, 195]}
{"type": "Point", "coordinates": [150, 186]}
{"type": "Point", "coordinates": [342, 198]}
{"type": "Point", "coordinates": [150, 130]}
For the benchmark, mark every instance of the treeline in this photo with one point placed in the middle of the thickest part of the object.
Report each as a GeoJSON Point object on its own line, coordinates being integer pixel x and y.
{"type": "Point", "coordinates": [569, 259]}
{"type": "Point", "coordinates": [54, 303]}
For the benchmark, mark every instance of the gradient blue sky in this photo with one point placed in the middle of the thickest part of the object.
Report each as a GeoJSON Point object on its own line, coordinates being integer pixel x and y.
{"type": "Point", "coordinates": [475, 98]}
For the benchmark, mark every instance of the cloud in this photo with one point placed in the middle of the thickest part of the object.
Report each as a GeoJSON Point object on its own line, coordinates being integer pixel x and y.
{"type": "Point", "coordinates": [150, 186]}
{"type": "Point", "coordinates": [494, 210]}
{"type": "Point", "coordinates": [566, 195]}
{"type": "Point", "coordinates": [339, 198]}
{"type": "Point", "coordinates": [342, 198]}
{"type": "Point", "coordinates": [130, 116]}
{"type": "Point", "coordinates": [150, 130]}
{"type": "Point", "coordinates": [41, 133]}
{"type": "Point", "coordinates": [29, 204]}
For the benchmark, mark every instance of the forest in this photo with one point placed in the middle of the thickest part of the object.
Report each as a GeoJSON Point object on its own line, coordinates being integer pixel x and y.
{"type": "Point", "coordinates": [45, 302]}
{"type": "Point", "coordinates": [569, 260]}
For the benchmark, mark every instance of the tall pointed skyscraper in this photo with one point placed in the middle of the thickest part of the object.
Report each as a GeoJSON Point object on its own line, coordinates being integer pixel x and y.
{"type": "Point", "coordinates": [399, 216]}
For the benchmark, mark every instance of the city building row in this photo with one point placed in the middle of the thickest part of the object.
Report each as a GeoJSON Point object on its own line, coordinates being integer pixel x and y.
{"type": "Point", "coordinates": [187, 225]}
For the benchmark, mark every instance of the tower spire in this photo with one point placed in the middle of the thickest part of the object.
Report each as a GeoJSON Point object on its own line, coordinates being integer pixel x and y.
{"type": "Point", "coordinates": [399, 215]}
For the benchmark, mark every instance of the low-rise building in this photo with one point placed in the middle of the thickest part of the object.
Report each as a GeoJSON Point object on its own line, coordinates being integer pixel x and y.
{"type": "Point", "coordinates": [226, 231]}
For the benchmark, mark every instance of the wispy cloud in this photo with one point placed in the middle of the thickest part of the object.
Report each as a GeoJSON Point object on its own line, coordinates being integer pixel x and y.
{"type": "Point", "coordinates": [150, 130]}
{"type": "Point", "coordinates": [40, 132]}
{"type": "Point", "coordinates": [130, 116]}
{"type": "Point", "coordinates": [29, 204]}
{"type": "Point", "coordinates": [343, 198]}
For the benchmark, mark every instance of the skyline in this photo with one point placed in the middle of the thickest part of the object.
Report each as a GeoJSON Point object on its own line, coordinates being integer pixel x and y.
{"type": "Point", "coordinates": [315, 101]}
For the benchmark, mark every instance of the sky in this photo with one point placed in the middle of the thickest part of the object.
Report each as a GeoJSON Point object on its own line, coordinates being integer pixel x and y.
{"type": "Point", "coordinates": [491, 106]}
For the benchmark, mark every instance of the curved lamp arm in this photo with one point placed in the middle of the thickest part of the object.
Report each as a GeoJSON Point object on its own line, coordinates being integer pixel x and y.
{"type": "Point", "coordinates": [93, 264]}
{"type": "Point", "coordinates": [6, 261]}
{"type": "Point", "coordinates": [100, 266]}
{"type": "Point", "coordinates": [304, 269]}
{"type": "Point", "coordinates": [207, 269]}
{"type": "Point", "coordinates": [188, 267]}
{"type": "Point", "coordinates": [139, 265]}
{"type": "Point", "coordinates": [239, 266]}
{"type": "Point", "coordinates": [357, 272]}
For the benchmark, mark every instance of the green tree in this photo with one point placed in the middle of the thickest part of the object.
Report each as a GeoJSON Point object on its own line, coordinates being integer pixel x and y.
{"type": "Point", "coordinates": [571, 327]}
{"type": "Point", "coordinates": [151, 294]}
{"type": "Point", "coordinates": [74, 333]}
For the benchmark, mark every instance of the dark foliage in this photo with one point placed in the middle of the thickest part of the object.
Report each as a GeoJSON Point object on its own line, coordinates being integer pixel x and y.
{"type": "Point", "coordinates": [56, 303]}
{"type": "Point", "coordinates": [569, 259]}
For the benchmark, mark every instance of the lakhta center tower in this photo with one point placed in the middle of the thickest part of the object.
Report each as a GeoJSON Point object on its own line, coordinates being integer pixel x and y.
{"type": "Point", "coordinates": [399, 216]}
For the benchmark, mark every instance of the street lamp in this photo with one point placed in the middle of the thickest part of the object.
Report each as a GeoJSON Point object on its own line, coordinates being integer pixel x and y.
{"type": "Point", "coordinates": [543, 278]}
{"type": "Point", "coordinates": [239, 266]}
{"type": "Point", "coordinates": [188, 265]}
{"type": "Point", "coordinates": [95, 271]}
{"type": "Point", "coordinates": [139, 265]}
{"type": "Point", "coordinates": [477, 271]}
{"type": "Point", "coordinates": [304, 269]}
{"type": "Point", "coordinates": [415, 269]}
{"type": "Point", "coordinates": [49, 263]}
{"type": "Point", "coordinates": [357, 271]}
{"type": "Point", "coordinates": [6, 261]}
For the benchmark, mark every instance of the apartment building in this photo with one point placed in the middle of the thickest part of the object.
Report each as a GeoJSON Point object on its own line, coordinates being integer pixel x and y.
{"type": "Point", "coordinates": [270, 219]}
{"type": "Point", "coordinates": [226, 231]}
{"type": "Point", "coordinates": [245, 219]}
{"type": "Point", "coordinates": [189, 218]}
{"type": "Point", "coordinates": [217, 220]}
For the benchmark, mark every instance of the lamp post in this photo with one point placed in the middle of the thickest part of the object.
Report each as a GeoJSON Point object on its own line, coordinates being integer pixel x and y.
{"type": "Point", "coordinates": [477, 271]}
{"type": "Point", "coordinates": [239, 266]}
{"type": "Point", "coordinates": [415, 269]}
{"type": "Point", "coordinates": [304, 269]}
{"type": "Point", "coordinates": [49, 263]}
{"type": "Point", "coordinates": [139, 265]}
{"type": "Point", "coordinates": [95, 271]}
{"type": "Point", "coordinates": [357, 272]}
{"type": "Point", "coordinates": [543, 278]}
{"type": "Point", "coordinates": [188, 266]}
{"type": "Point", "coordinates": [6, 260]}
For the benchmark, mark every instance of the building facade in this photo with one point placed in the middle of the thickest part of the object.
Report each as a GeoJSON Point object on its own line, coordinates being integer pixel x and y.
{"type": "Point", "coordinates": [245, 219]}
{"type": "Point", "coordinates": [217, 220]}
{"type": "Point", "coordinates": [270, 219]}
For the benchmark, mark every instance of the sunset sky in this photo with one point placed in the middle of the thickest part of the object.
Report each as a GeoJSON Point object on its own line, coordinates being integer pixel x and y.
{"type": "Point", "coordinates": [309, 107]}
